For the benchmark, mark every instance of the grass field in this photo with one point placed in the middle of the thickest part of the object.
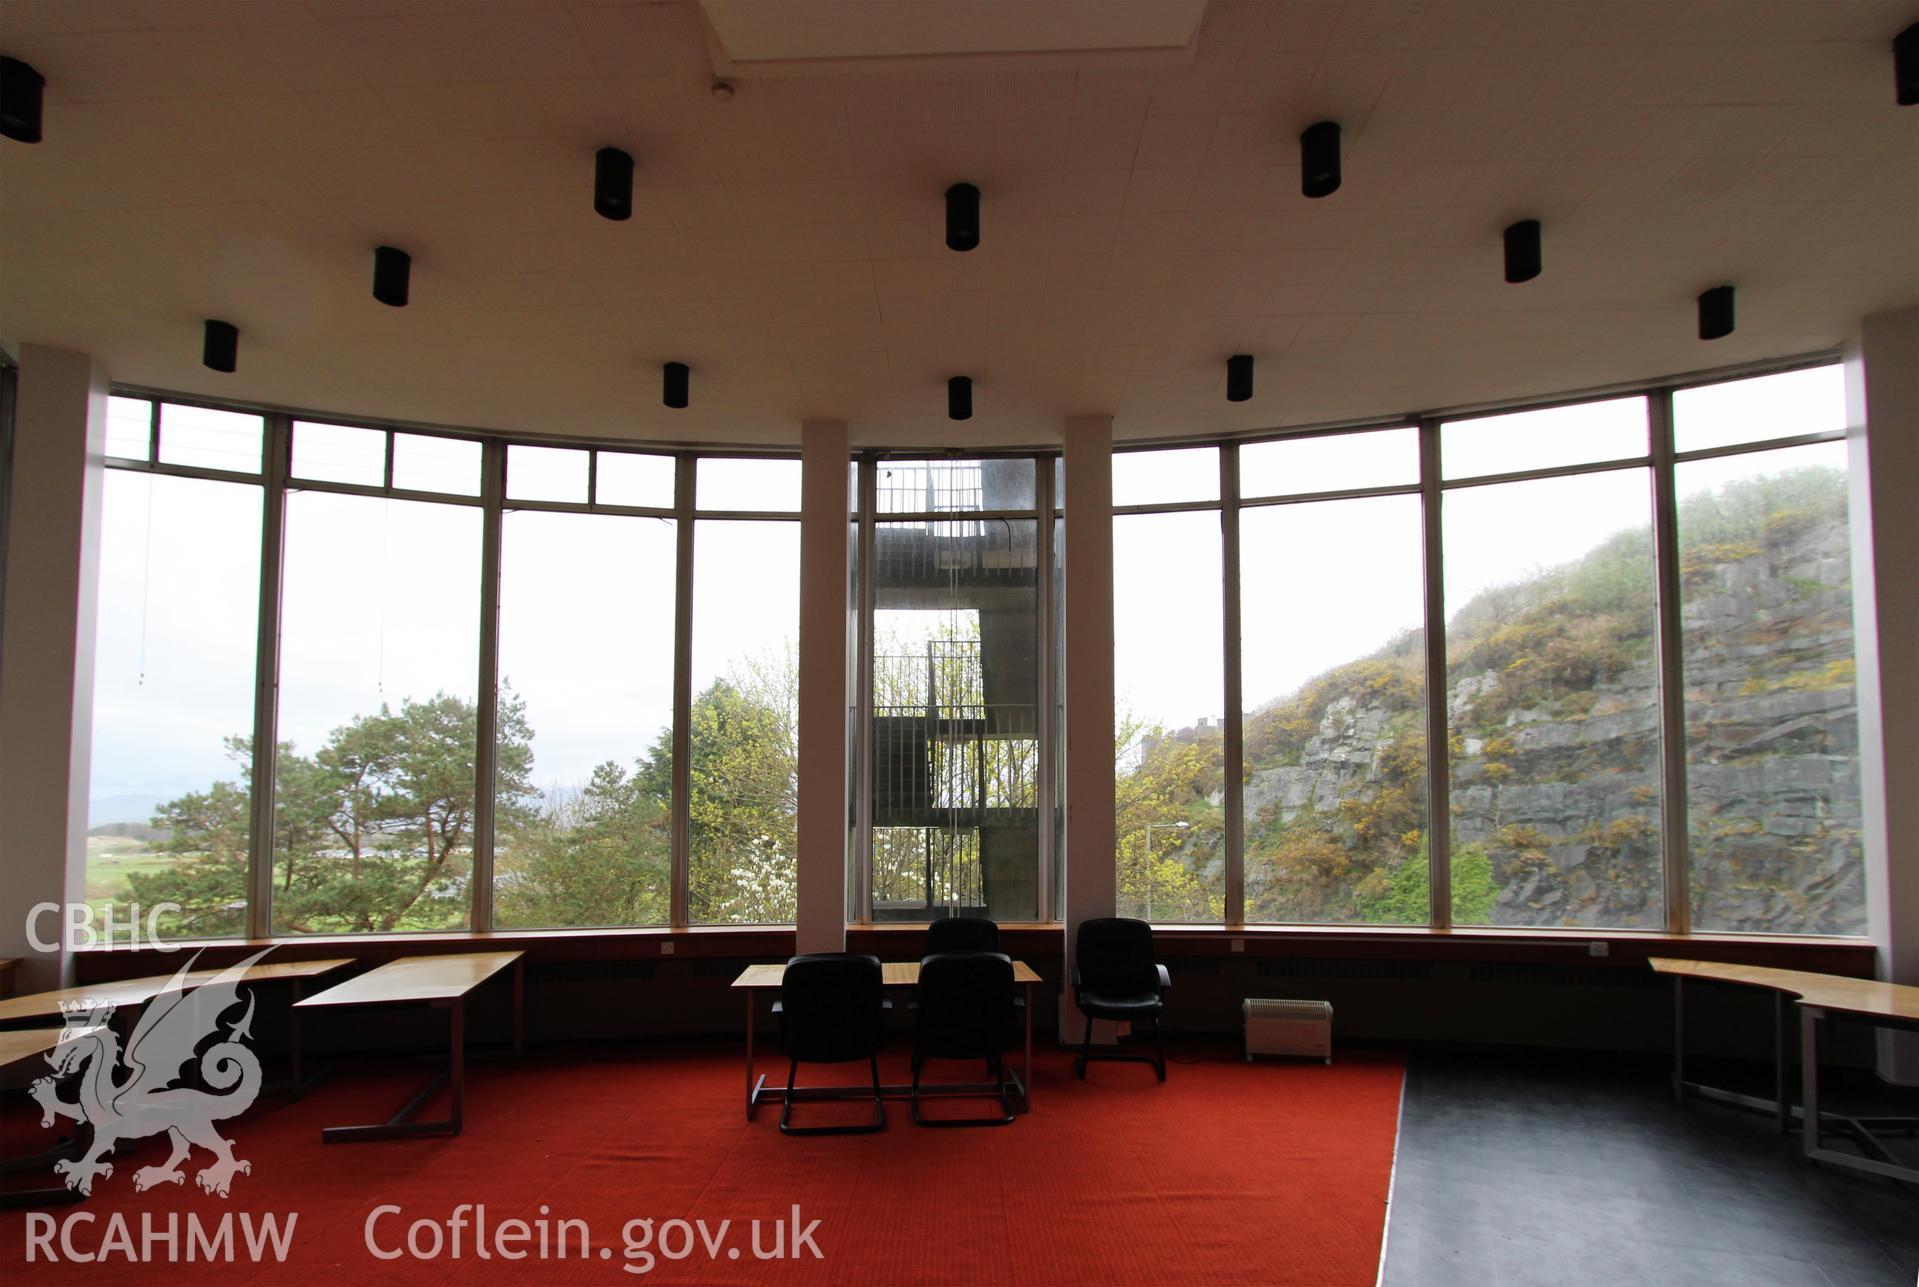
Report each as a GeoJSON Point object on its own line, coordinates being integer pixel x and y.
{"type": "Point", "coordinates": [111, 859]}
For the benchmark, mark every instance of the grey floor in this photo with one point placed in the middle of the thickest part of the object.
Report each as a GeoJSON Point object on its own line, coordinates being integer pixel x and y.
{"type": "Point", "coordinates": [1562, 1171]}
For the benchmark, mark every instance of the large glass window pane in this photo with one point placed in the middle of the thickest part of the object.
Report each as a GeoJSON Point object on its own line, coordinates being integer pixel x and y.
{"type": "Point", "coordinates": [547, 473]}
{"type": "Point", "coordinates": [1772, 736]}
{"type": "Point", "coordinates": [947, 487]}
{"type": "Point", "coordinates": [1552, 690]}
{"type": "Point", "coordinates": [1166, 477]}
{"type": "Point", "coordinates": [428, 463]}
{"type": "Point", "coordinates": [1525, 440]}
{"type": "Point", "coordinates": [339, 454]}
{"type": "Point", "coordinates": [1770, 406]}
{"type": "Point", "coordinates": [129, 428]}
{"type": "Point", "coordinates": [1335, 695]}
{"type": "Point", "coordinates": [1329, 463]}
{"type": "Point", "coordinates": [203, 438]}
{"type": "Point", "coordinates": [379, 664]}
{"type": "Point", "coordinates": [1168, 665]}
{"type": "Point", "coordinates": [743, 740]}
{"type": "Point", "coordinates": [168, 820]}
{"type": "Point", "coordinates": [747, 484]}
{"type": "Point", "coordinates": [585, 776]}
{"type": "Point", "coordinates": [627, 478]}
{"type": "Point", "coordinates": [955, 774]}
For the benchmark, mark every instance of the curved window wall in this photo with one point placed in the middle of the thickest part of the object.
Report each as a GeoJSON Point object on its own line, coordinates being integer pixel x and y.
{"type": "Point", "coordinates": [1627, 623]}
{"type": "Point", "coordinates": [1585, 666]}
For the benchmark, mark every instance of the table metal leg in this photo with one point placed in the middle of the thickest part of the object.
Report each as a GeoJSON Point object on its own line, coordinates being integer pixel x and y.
{"type": "Point", "coordinates": [1781, 1096]}
{"type": "Point", "coordinates": [1679, 1038]}
{"type": "Point", "coordinates": [519, 1007]}
{"type": "Point", "coordinates": [401, 1125]}
{"type": "Point", "coordinates": [456, 1040]}
{"type": "Point", "coordinates": [1026, 1068]}
{"type": "Point", "coordinates": [1809, 1078]}
{"type": "Point", "coordinates": [750, 1007]}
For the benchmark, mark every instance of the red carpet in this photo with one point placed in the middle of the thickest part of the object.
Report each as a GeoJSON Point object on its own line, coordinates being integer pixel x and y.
{"type": "Point", "coordinates": [1228, 1173]}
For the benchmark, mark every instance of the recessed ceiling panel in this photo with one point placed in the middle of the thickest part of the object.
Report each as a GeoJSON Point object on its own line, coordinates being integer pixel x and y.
{"type": "Point", "coordinates": [785, 30]}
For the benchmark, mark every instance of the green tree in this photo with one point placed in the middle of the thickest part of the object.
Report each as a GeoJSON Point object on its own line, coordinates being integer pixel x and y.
{"type": "Point", "coordinates": [1161, 781]}
{"type": "Point", "coordinates": [373, 833]}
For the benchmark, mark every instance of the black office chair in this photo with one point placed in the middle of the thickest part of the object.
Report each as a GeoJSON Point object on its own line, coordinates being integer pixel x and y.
{"type": "Point", "coordinates": [962, 934]}
{"type": "Point", "coordinates": [831, 1012]}
{"type": "Point", "coordinates": [1116, 978]}
{"type": "Point", "coordinates": [966, 1010]}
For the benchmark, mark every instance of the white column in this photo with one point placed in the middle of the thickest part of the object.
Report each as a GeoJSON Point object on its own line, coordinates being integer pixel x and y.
{"type": "Point", "coordinates": [825, 605]}
{"type": "Point", "coordinates": [46, 658]}
{"type": "Point", "coordinates": [1088, 667]}
{"type": "Point", "coordinates": [1882, 392]}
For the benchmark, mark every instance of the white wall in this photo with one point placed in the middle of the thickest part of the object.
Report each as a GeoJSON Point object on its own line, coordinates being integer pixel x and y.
{"type": "Point", "coordinates": [1088, 668]}
{"type": "Point", "coordinates": [825, 603]}
{"type": "Point", "coordinates": [1882, 391]}
{"type": "Point", "coordinates": [46, 667]}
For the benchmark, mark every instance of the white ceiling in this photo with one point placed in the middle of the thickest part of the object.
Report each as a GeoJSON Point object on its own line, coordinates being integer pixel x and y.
{"type": "Point", "coordinates": [240, 160]}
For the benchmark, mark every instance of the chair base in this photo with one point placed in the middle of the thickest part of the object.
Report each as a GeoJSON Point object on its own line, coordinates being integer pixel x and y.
{"type": "Point", "coordinates": [998, 1071]}
{"type": "Point", "coordinates": [860, 1128]}
{"type": "Point", "coordinates": [1086, 1056]}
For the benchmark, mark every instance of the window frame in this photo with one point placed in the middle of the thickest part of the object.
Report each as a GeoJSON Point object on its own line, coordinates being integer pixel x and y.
{"type": "Point", "coordinates": [1659, 460]}
{"type": "Point", "coordinates": [276, 481]}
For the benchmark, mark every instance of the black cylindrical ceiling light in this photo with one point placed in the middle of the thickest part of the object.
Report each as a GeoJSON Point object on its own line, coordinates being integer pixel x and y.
{"type": "Point", "coordinates": [1319, 159]}
{"type": "Point", "coordinates": [1905, 66]}
{"type": "Point", "coordinates": [962, 217]}
{"type": "Point", "coordinates": [1522, 250]}
{"type": "Point", "coordinates": [959, 398]}
{"type": "Point", "coordinates": [392, 272]}
{"type": "Point", "coordinates": [221, 351]}
{"type": "Point", "coordinates": [22, 90]}
{"type": "Point", "coordinates": [613, 184]}
{"type": "Point", "coordinates": [1239, 377]}
{"type": "Point", "coordinates": [1715, 313]}
{"type": "Point", "coordinates": [675, 382]}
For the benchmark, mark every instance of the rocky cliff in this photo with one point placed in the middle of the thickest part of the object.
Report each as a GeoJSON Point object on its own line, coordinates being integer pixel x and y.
{"type": "Point", "coordinates": [1553, 704]}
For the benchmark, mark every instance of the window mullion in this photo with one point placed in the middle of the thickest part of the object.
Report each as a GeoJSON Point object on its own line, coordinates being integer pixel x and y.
{"type": "Point", "coordinates": [680, 877]}
{"type": "Point", "coordinates": [1672, 690]}
{"type": "Point", "coordinates": [266, 670]}
{"type": "Point", "coordinates": [1439, 813]}
{"type": "Point", "coordinates": [1233, 749]}
{"type": "Point", "coordinates": [486, 727]}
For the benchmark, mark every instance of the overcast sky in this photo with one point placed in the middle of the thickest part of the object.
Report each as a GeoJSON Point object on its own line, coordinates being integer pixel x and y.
{"type": "Point", "coordinates": [380, 595]}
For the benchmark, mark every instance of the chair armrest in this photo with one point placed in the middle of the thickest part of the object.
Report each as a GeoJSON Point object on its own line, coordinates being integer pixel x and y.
{"type": "Point", "coordinates": [1076, 976]}
{"type": "Point", "coordinates": [1165, 977]}
{"type": "Point", "coordinates": [885, 1004]}
{"type": "Point", "coordinates": [779, 1007]}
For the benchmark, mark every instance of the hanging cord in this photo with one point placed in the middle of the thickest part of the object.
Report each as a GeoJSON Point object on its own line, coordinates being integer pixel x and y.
{"type": "Point", "coordinates": [146, 583]}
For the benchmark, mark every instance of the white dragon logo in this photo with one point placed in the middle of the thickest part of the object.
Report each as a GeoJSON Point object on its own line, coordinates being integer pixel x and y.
{"type": "Point", "coordinates": [146, 1102]}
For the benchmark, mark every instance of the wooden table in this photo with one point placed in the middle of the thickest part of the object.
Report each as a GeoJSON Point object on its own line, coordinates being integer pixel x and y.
{"type": "Point", "coordinates": [756, 980]}
{"type": "Point", "coordinates": [1885, 1005]}
{"type": "Point", "coordinates": [444, 983]}
{"type": "Point", "coordinates": [128, 995]}
{"type": "Point", "coordinates": [18, 1047]}
{"type": "Point", "coordinates": [1819, 997]}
